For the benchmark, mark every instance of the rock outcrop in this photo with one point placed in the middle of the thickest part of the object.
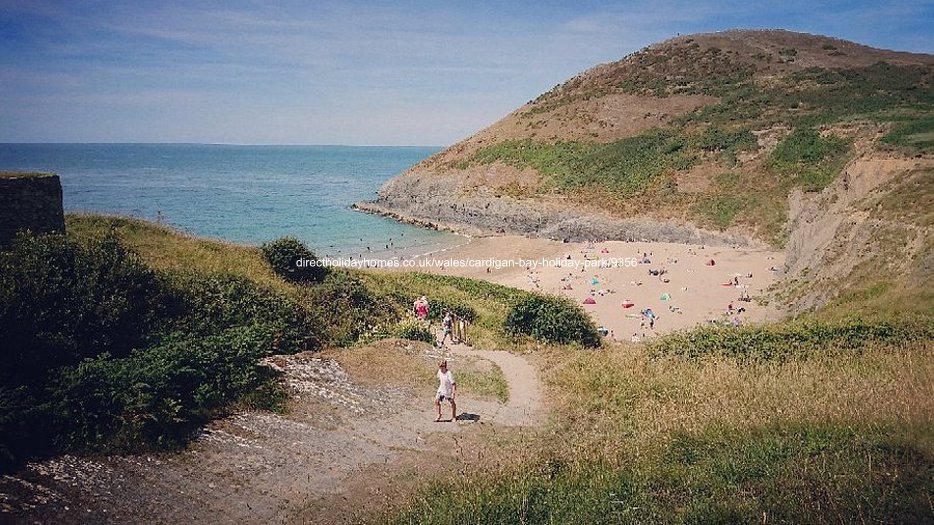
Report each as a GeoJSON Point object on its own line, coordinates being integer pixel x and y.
{"type": "Point", "coordinates": [30, 201]}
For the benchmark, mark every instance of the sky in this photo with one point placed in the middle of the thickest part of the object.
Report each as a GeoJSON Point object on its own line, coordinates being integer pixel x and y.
{"type": "Point", "coordinates": [348, 72]}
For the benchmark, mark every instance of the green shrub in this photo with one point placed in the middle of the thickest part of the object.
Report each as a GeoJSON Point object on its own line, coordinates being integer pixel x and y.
{"type": "Point", "coordinates": [440, 305]}
{"type": "Point", "coordinates": [718, 139]}
{"type": "Point", "coordinates": [345, 308]}
{"type": "Point", "coordinates": [413, 331]}
{"type": "Point", "coordinates": [813, 160]}
{"type": "Point", "coordinates": [159, 395]}
{"type": "Point", "coordinates": [61, 301]}
{"type": "Point", "coordinates": [721, 209]}
{"type": "Point", "coordinates": [915, 133]}
{"type": "Point", "coordinates": [293, 261]}
{"type": "Point", "coordinates": [552, 319]}
{"type": "Point", "coordinates": [211, 303]}
{"type": "Point", "coordinates": [788, 340]}
{"type": "Point", "coordinates": [155, 397]}
{"type": "Point", "coordinates": [626, 166]}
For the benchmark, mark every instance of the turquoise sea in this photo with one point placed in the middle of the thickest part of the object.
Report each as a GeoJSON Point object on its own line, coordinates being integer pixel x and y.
{"type": "Point", "coordinates": [244, 194]}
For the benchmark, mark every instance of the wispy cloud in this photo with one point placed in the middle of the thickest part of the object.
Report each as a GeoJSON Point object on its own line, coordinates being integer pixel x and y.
{"type": "Point", "coordinates": [400, 72]}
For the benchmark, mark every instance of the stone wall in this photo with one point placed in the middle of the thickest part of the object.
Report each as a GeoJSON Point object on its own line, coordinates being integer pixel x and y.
{"type": "Point", "coordinates": [30, 201]}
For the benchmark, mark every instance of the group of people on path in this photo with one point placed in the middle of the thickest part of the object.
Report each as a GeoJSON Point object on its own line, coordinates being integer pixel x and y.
{"type": "Point", "coordinates": [447, 387]}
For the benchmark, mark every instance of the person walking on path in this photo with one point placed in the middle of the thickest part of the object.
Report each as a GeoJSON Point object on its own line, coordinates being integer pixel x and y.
{"type": "Point", "coordinates": [421, 308]}
{"type": "Point", "coordinates": [447, 325]}
{"type": "Point", "coordinates": [447, 389]}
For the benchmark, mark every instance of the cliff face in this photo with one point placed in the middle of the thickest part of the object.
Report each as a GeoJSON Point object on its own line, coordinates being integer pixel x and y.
{"type": "Point", "coordinates": [30, 201]}
{"type": "Point", "coordinates": [440, 203]}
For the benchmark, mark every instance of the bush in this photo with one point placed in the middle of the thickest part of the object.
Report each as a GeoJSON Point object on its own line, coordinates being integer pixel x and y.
{"type": "Point", "coordinates": [345, 308]}
{"type": "Point", "coordinates": [157, 396]}
{"type": "Point", "coordinates": [413, 331]}
{"type": "Point", "coordinates": [439, 306]}
{"type": "Point", "coordinates": [552, 319]}
{"type": "Point", "coordinates": [814, 160]}
{"type": "Point", "coordinates": [61, 301]}
{"type": "Point", "coordinates": [153, 397]}
{"type": "Point", "coordinates": [211, 303]}
{"type": "Point", "coordinates": [293, 261]}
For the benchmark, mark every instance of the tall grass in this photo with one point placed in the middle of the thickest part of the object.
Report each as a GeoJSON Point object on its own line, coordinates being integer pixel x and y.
{"type": "Point", "coordinates": [638, 439]}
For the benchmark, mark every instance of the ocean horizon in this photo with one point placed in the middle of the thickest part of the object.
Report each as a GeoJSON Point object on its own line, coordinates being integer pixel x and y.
{"type": "Point", "coordinates": [247, 194]}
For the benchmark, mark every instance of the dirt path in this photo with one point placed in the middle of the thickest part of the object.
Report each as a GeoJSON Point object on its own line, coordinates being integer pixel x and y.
{"type": "Point", "coordinates": [341, 446]}
{"type": "Point", "coordinates": [525, 392]}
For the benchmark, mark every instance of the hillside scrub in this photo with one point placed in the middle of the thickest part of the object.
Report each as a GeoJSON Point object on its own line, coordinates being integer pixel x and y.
{"type": "Point", "coordinates": [814, 161]}
{"type": "Point", "coordinates": [757, 96]}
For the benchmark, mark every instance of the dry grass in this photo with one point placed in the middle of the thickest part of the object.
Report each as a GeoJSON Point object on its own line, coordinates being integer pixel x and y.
{"type": "Point", "coordinates": [397, 362]}
{"type": "Point", "coordinates": [637, 439]}
{"type": "Point", "coordinates": [655, 397]}
{"type": "Point", "coordinates": [164, 248]}
{"type": "Point", "coordinates": [24, 174]}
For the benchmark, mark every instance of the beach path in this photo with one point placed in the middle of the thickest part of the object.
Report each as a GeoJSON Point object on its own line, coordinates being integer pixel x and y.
{"type": "Point", "coordinates": [524, 407]}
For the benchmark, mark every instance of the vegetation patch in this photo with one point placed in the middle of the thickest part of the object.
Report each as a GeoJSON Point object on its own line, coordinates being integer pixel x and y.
{"type": "Point", "coordinates": [789, 340]}
{"type": "Point", "coordinates": [625, 167]}
{"type": "Point", "coordinates": [812, 160]}
{"type": "Point", "coordinates": [720, 210]}
{"type": "Point", "coordinates": [788, 473]}
{"type": "Point", "coordinates": [917, 134]}
{"type": "Point", "coordinates": [293, 261]}
{"type": "Point", "coordinates": [552, 319]}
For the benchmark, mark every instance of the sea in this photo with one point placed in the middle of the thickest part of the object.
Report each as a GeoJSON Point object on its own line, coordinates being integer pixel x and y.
{"type": "Point", "coordinates": [241, 194]}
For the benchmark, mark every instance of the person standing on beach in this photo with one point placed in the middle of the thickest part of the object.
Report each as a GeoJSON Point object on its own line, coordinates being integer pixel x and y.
{"type": "Point", "coordinates": [447, 388]}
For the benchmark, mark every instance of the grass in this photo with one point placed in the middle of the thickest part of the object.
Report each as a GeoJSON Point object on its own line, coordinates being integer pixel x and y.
{"type": "Point", "coordinates": [403, 363]}
{"type": "Point", "coordinates": [791, 340]}
{"type": "Point", "coordinates": [811, 159]}
{"type": "Point", "coordinates": [352, 305]}
{"type": "Point", "coordinates": [164, 248]}
{"type": "Point", "coordinates": [637, 439]}
{"type": "Point", "coordinates": [913, 134]}
{"type": "Point", "coordinates": [24, 174]}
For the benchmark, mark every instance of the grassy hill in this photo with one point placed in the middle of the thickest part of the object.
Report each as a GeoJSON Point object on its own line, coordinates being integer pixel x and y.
{"type": "Point", "coordinates": [753, 133]}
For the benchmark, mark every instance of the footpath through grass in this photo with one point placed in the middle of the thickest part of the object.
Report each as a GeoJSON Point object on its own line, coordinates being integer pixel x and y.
{"type": "Point", "coordinates": [640, 438]}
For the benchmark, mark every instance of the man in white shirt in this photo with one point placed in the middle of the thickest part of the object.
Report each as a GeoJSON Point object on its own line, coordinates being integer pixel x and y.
{"type": "Point", "coordinates": [447, 388]}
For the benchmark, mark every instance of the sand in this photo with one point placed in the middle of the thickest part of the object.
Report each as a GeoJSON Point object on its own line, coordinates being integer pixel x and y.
{"type": "Point", "coordinates": [615, 272]}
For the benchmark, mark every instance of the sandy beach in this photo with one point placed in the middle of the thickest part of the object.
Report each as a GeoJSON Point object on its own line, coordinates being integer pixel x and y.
{"type": "Point", "coordinates": [675, 281]}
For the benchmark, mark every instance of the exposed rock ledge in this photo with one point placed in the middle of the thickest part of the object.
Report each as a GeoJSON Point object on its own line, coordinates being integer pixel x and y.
{"type": "Point", "coordinates": [428, 202]}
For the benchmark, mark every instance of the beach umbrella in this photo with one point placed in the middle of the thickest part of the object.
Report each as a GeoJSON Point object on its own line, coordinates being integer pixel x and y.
{"type": "Point", "coordinates": [628, 304]}
{"type": "Point", "coordinates": [589, 300]}
{"type": "Point", "coordinates": [666, 296]}
{"type": "Point", "coordinates": [711, 263]}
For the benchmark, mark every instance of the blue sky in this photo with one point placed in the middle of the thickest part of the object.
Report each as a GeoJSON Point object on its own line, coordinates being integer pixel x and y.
{"type": "Point", "coordinates": [345, 72]}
